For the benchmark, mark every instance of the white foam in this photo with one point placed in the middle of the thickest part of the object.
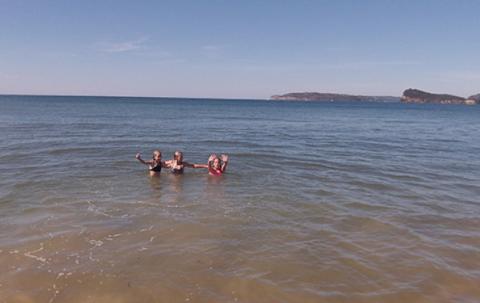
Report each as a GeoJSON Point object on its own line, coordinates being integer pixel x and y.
{"type": "Point", "coordinates": [29, 254]}
{"type": "Point", "coordinates": [96, 242]}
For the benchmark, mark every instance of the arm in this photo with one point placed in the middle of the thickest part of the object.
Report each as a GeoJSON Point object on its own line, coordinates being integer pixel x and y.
{"type": "Point", "coordinates": [210, 159]}
{"type": "Point", "coordinates": [139, 158]}
{"type": "Point", "coordinates": [224, 162]}
{"type": "Point", "coordinates": [168, 163]}
{"type": "Point", "coordinates": [199, 165]}
{"type": "Point", "coordinates": [187, 164]}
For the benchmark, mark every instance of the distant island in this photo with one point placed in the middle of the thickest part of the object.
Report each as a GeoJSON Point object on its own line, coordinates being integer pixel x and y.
{"type": "Point", "coordinates": [409, 96]}
{"type": "Point", "coordinates": [475, 98]}
{"type": "Point", "coordinates": [417, 96]}
{"type": "Point", "coordinates": [330, 97]}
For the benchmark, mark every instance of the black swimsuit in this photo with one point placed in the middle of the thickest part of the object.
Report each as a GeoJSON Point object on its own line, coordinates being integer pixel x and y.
{"type": "Point", "coordinates": [156, 168]}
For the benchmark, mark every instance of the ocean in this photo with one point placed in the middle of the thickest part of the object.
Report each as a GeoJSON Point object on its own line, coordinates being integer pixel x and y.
{"type": "Point", "coordinates": [321, 202]}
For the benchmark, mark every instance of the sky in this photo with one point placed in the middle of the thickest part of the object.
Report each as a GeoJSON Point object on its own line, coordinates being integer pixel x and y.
{"type": "Point", "coordinates": [239, 49]}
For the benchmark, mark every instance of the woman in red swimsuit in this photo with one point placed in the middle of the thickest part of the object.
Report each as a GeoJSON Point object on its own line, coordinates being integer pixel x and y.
{"type": "Point", "coordinates": [216, 165]}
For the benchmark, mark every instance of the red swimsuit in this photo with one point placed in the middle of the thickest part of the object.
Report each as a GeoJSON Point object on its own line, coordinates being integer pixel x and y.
{"type": "Point", "coordinates": [214, 172]}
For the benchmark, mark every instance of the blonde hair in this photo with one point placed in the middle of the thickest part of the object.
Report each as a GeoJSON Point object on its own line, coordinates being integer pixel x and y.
{"type": "Point", "coordinates": [177, 154]}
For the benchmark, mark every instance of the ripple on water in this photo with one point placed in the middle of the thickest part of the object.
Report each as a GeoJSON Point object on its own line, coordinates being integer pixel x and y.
{"type": "Point", "coordinates": [322, 202]}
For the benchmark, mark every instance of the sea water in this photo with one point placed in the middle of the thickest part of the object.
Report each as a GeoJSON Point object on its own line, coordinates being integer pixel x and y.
{"type": "Point", "coordinates": [321, 202]}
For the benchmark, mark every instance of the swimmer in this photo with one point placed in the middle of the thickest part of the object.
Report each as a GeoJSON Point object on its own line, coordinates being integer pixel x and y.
{"type": "Point", "coordinates": [177, 164]}
{"type": "Point", "coordinates": [216, 165]}
{"type": "Point", "coordinates": [155, 165]}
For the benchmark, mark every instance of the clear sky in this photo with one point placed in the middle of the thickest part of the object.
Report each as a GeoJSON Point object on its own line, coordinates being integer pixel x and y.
{"type": "Point", "coordinates": [239, 49]}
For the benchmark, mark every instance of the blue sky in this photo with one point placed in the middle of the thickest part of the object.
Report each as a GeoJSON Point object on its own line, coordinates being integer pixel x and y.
{"type": "Point", "coordinates": [238, 49]}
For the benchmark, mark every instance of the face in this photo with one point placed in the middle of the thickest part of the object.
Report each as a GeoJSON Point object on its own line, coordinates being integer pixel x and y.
{"type": "Point", "coordinates": [178, 156]}
{"type": "Point", "coordinates": [216, 163]}
{"type": "Point", "coordinates": [157, 155]}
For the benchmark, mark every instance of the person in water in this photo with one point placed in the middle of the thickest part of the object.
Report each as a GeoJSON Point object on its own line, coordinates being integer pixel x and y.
{"type": "Point", "coordinates": [216, 165]}
{"type": "Point", "coordinates": [177, 164]}
{"type": "Point", "coordinates": [155, 165]}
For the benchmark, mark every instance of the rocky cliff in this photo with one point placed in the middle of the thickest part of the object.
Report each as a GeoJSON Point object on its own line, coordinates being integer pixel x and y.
{"type": "Point", "coordinates": [475, 98]}
{"type": "Point", "coordinates": [418, 96]}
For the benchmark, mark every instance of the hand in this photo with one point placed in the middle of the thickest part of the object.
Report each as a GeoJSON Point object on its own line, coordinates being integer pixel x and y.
{"type": "Point", "coordinates": [224, 158]}
{"type": "Point", "coordinates": [212, 157]}
{"type": "Point", "coordinates": [137, 156]}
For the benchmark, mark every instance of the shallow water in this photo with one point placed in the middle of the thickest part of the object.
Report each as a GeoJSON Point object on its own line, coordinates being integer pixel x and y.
{"type": "Point", "coordinates": [322, 202]}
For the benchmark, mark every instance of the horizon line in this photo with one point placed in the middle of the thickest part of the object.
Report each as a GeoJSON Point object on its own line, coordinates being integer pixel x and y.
{"type": "Point", "coordinates": [130, 96]}
{"type": "Point", "coordinates": [180, 97]}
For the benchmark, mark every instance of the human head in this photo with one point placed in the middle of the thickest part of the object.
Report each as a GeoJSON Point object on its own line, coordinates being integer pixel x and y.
{"type": "Point", "coordinates": [216, 163]}
{"type": "Point", "coordinates": [157, 154]}
{"type": "Point", "coordinates": [178, 155]}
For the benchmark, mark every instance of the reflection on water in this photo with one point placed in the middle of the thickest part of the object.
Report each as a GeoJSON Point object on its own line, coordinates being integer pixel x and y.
{"type": "Point", "coordinates": [156, 182]}
{"type": "Point", "coordinates": [321, 203]}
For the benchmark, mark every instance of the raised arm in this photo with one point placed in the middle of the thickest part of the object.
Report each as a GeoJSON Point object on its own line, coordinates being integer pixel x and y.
{"type": "Point", "coordinates": [224, 163]}
{"type": "Point", "coordinates": [139, 158]}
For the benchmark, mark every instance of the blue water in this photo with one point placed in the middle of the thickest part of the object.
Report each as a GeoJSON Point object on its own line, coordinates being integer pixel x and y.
{"type": "Point", "coordinates": [322, 202]}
